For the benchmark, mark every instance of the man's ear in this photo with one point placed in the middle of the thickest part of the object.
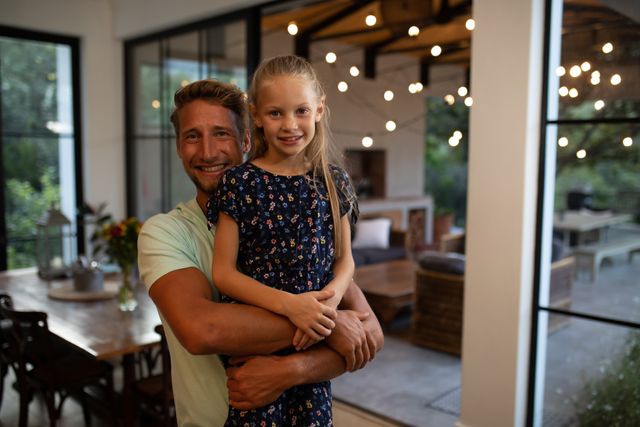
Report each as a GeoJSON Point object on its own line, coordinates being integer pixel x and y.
{"type": "Point", "coordinates": [245, 145]}
{"type": "Point", "coordinates": [320, 109]}
{"type": "Point", "coordinates": [254, 115]}
{"type": "Point", "coordinates": [178, 147]}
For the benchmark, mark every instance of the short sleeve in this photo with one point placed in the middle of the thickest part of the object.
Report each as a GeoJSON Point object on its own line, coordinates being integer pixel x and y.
{"type": "Point", "coordinates": [225, 200]}
{"type": "Point", "coordinates": [346, 194]}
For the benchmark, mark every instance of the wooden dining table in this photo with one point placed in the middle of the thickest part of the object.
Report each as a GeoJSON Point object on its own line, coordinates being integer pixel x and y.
{"type": "Point", "coordinates": [95, 325]}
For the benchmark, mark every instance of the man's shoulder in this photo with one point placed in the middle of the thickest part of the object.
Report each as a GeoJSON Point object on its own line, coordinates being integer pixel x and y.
{"type": "Point", "coordinates": [182, 216]}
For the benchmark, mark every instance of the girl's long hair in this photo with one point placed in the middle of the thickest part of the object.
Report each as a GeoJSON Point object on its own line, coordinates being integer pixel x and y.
{"type": "Point", "coordinates": [320, 152]}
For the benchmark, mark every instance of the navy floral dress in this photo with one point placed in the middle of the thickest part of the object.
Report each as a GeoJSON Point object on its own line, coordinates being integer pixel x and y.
{"type": "Point", "coordinates": [285, 242]}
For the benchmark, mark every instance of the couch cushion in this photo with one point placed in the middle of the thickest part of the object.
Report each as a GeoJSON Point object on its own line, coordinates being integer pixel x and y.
{"type": "Point", "coordinates": [372, 233]}
{"type": "Point", "coordinates": [452, 263]}
{"type": "Point", "coordinates": [374, 256]}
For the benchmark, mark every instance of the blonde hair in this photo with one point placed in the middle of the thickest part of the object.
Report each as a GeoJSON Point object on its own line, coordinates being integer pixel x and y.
{"type": "Point", "coordinates": [319, 152]}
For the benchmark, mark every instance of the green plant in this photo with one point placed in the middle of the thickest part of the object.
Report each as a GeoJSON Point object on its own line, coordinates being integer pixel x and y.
{"type": "Point", "coordinates": [614, 399]}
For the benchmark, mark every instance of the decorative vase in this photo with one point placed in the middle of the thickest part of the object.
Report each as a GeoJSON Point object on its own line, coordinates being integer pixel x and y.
{"type": "Point", "coordinates": [126, 294]}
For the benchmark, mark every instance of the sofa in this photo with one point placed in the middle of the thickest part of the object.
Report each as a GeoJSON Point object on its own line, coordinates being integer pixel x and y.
{"type": "Point", "coordinates": [375, 241]}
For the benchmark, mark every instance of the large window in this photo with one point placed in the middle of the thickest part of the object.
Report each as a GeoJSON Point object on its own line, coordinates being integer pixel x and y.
{"type": "Point", "coordinates": [587, 314]}
{"type": "Point", "coordinates": [39, 139]}
{"type": "Point", "coordinates": [157, 66]}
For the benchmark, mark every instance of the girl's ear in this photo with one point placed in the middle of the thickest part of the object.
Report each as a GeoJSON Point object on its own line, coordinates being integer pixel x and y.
{"type": "Point", "coordinates": [320, 109]}
{"type": "Point", "coordinates": [254, 115]}
{"type": "Point", "coordinates": [246, 142]}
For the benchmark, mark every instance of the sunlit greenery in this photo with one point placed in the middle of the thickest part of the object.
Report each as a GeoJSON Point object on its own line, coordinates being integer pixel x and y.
{"type": "Point", "coordinates": [30, 148]}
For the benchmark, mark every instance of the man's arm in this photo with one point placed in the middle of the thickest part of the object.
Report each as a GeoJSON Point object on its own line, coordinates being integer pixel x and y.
{"type": "Point", "coordinates": [203, 326]}
{"type": "Point", "coordinates": [259, 380]}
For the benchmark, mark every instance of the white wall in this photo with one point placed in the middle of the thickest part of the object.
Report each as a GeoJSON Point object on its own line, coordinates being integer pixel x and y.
{"type": "Point", "coordinates": [102, 86]}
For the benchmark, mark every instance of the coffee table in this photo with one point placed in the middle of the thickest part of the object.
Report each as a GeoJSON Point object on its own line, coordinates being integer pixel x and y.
{"type": "Point", "coordinates": [388, 286]}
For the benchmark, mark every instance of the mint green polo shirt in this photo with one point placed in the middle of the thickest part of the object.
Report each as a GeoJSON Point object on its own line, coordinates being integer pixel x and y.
{"type": "Point", "coordinates": [172, 241]}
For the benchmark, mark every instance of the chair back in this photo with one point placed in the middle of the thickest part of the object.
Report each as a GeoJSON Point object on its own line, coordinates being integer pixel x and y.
{"type": "Point", "coordinates": [27, 334]}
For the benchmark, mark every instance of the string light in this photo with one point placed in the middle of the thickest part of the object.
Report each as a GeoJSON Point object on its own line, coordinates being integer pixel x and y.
{"type": "Point", "coordinates": [343, 86]}
{"type": "Point", "coordinates": [449, 99]}
{"type": "Point", "coordinates": [598, 105]}
{"type": "Point", "coordinates": [418, 86]}
{"type": "Point", "coordinates": [462, 91]}
{"type": "Point", "coordinates": [575, 71]}
{"type": "Point", "coordinates": [413, 31]}
{"type": "Point", "coordinates": [561, 71]}
{"type": "Point", "coordinates": [370, 20]}
{"type": "Point", "coordinates": [616, 79]}
{"type": "Point", "coordinates": [457, 134]}
{"type": "Point", "coordinates": [354, 71]}
{"type": "Point", "coordinates": [155, 104]}
{"type": "Point", "coordinates": [390, 125]}
{"type": "Point", "coordinates": [388, 95]}
{"type": "Point", "coordinates": [627, 142]}
{"type": "Point", "coordinates": [367, 141]}
{"type": "Point", "coordinates": [585, 66]}
{"type": "Point", "coordinates": [436, 50]}
{"type": "Point", "coordinates": [573, 92]}
{"type": "Point", "coordinates": [595, 77]}
{"type": "Point", "coordinates": [470, 24]}
{"type": "Point", "coordinates": [581, 154]}
{"type": "Point", "coordinates": [563, 141]}
{"type": "Point", "coordinates": [607, 47]}
{"type": "Point", "coordinates": [412, 88]}
{"type": "Point", "coordinates": [292, 28]}
{"type": "Point", "coordinates": [468, 101]}
{"type": "Point", "coordinates": [563, 91]}
{"type": "Point", "coordinates": [330, 57]}
{"type": "Point", "coordinates": [453, 141]}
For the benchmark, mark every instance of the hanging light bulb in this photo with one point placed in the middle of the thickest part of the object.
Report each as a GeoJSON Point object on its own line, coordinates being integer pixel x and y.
{"type": "Point", "coordinates": [449, 99]}
{"type": "Point", "coordinates": [470, 24]}
{"type": "Point", "coordinates": [607, 47]}
{"type": "Point", "coordinates": [585, 66]}
{"type": "Point", "coordinates": [453, 141]}
{"type": "Point", "coordinates": [616, 79]}
{"type": "Point", "coordinates": [367, 141]}
{"type": "Point", "coordinates": [462, 91]}
{"type": "Point", "coordinates": [598, 105]}
{"type": "Point", "coordinates": [468, 101]}
{"type": "Point", "coordinates": [413, 31]}
{"type": "Point", "coordinates": [573, 92]}
{"type": "Point", "coordinates": [575, 71]}
{"type": "Point", "coordinates": [292, 28]}
{"type": "Point", "coordinates": [563, 141]}
{"type": "Point", "coordinates": [418, 86]}
{"type": "Point", "coordinates": [581, 154]}
{"type": "Point", "coordinates": [412, 88]}
{"type": "Point", "coordinates": [563, 91]}
{"type": "Point", "coordinates": [561, 71]}
{"type": "Point", "coordinates": [370, 20]}
{"type": "Point", "coordinates": [330, 57]}
{"type": "Point", "coordinates": [436, 50]}
{"type": "Point", "coordinates": [354, 71]}
{"type": "Point", "coordinates": [390, 125]}
{"type": "Point", "coordinates": [343, 86]}
{"type": "Point", "coordinates": [388, 95]}
{"type": "Point", "coordinates": [627, 142]}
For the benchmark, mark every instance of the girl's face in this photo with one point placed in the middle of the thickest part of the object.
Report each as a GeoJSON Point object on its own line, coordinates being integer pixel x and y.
{"type": "Point", "coordinates": [287, 109]}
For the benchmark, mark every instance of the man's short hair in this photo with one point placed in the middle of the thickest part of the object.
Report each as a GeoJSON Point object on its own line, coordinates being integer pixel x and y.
{"type": "Point", "coordinates": [214, 92]}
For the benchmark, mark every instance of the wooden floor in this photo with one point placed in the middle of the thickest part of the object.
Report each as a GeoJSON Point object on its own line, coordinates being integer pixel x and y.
{"type": "Point", "coordinates": [344, 414]}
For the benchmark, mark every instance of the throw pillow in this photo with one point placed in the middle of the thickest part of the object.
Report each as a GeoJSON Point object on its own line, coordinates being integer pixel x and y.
{"type": "Point", "coordinates": [372, 233]}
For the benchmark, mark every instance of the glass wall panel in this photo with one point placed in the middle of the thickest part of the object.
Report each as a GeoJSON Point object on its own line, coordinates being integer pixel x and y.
{"type": "Point", "coordinates": [38, 141]}
{"type": "Point", "coordinates": [158, 68]}
{"type": "Point", "coordinates": [591, 147]}
{"type": "Point", "coordinates": [600, 61]}
{"type": "Point", "coordinates": [591, 376]}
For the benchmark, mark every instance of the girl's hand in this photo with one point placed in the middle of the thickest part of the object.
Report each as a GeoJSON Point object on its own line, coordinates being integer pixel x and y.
{"type": "Point", "coordinates": [310, 315]}
{"type": "Point", "coordinates": [302, 341]}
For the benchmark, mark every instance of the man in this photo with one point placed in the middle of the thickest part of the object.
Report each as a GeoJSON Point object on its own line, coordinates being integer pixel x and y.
{"type": "Point", "coordinates": [175, 253]}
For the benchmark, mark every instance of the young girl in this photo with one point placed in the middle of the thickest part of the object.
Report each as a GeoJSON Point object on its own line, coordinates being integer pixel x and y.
{"type": "Point", "coordinates": [282, 221]}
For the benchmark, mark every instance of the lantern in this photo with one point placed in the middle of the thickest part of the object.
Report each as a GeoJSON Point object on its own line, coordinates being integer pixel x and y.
{"type": "Point", "coordinates": [54, 243]}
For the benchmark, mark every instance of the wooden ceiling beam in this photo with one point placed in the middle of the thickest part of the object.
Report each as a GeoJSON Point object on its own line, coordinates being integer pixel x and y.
{"type": "Point", "coordinates": [304, 38]}
{"type": "Point", "coordinates": [444, 15]}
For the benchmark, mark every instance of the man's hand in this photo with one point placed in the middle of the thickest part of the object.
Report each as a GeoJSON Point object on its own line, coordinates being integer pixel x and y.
{"type": "Point", "coordinates": [352, 340]}
{"type": "Point", "coordinates": [256, 381]}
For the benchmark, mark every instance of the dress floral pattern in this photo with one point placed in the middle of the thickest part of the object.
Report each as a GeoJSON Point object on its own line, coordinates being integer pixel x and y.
{"type": "Point", "coordinates": [285, 242]}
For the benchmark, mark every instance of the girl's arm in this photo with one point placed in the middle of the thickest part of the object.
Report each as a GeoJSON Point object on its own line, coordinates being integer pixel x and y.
{"type": "Point", "coordinates": [306, 310]}
{"type": "Point", "coordinates": [343, 267]}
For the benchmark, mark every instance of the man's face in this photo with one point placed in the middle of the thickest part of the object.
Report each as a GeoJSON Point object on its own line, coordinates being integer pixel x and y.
{"type": "Point", "coordinates": [208, 144]}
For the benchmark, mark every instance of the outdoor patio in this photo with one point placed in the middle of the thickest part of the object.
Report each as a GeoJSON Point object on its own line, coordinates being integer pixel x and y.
{"type": "Point", "coordinates": [420, 387]}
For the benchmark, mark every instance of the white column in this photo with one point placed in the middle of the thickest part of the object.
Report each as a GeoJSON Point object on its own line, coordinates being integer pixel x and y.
{"type": "Point", "coordinates": [506, 79]}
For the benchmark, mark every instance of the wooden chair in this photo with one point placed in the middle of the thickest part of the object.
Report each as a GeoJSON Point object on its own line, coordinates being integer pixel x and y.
{"type": "Point", "coordinates": [50, 366]}
{"type": "Point", "coordinates": [154, 391]}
